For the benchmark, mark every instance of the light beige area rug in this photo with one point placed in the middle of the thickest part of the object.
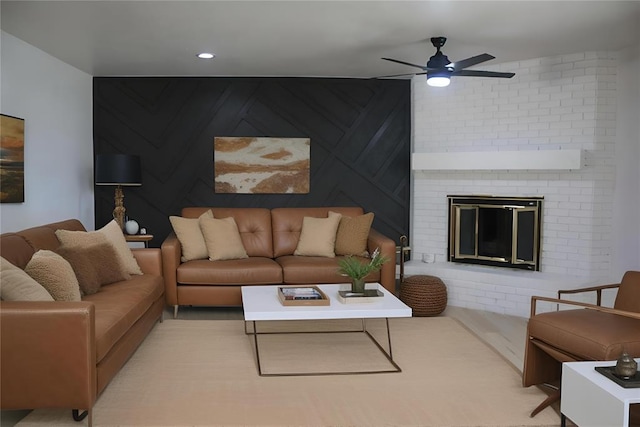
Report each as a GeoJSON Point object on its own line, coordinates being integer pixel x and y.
{"type": "Point", "coordinates": [203, 373]}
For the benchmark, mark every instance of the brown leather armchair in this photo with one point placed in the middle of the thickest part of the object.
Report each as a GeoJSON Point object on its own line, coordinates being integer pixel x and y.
{"type": "Point", "coordinates": [587, 332]}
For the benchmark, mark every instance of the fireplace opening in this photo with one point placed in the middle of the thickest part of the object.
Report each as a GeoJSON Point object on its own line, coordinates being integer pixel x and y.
{"type": "Point", "coordinates": [496, 231]}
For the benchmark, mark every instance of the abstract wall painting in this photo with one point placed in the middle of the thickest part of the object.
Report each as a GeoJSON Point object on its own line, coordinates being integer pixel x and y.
{"type": "Point", "coordinates": [11, 159]}
{"type": "Point", "coordinates": [247, 165]}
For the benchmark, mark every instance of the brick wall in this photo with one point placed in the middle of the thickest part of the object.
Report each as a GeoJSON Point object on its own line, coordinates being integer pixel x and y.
{"type": "Point", "coordinates": [562, 102]}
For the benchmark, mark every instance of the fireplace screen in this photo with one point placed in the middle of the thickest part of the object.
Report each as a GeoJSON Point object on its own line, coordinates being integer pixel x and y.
{"type": "Point", "coordinates": [497, 231]}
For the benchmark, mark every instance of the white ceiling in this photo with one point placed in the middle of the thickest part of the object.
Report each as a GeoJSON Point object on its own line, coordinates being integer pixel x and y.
{"type": "Point", "coordinates": [310, 38]}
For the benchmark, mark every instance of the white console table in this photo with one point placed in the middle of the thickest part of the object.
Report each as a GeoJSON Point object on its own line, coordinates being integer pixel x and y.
{"type": "Point", "coordinates": [591, 399]}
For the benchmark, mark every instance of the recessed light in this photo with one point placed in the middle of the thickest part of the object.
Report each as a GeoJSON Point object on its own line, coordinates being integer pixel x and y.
{"type": "Point", "coordinates": [205, 55]}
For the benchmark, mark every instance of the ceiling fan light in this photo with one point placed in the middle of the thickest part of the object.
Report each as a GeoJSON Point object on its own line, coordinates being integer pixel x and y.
{"type": "Point", "coordinates": [438, 81]}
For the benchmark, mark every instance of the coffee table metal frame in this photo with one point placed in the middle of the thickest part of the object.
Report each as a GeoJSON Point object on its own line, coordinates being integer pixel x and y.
{"type": "Point", "coordinates": [261, 303]}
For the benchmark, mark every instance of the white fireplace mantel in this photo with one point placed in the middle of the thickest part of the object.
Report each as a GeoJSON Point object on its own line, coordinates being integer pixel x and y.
{"type": "Point", "coordinates": [498, 160]}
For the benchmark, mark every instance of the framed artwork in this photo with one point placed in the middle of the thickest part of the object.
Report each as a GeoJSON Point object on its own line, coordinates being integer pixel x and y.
{"type": "Point", "coordinates": [11, 159]}
{"type": "Point", "coordinates": [248, 165]}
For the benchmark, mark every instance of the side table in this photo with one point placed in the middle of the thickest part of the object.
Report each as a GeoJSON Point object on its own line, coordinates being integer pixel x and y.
{"type": "Point", "coordinates": [144, 238]}
{"type": "Point", "coordinates": [591, 399]}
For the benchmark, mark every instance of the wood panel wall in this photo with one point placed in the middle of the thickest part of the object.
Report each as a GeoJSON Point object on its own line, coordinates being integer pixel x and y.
{"type": "Point", "coordinates": [360, 134]}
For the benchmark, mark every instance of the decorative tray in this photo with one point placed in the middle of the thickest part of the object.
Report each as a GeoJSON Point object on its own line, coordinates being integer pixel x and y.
{"type": "Point", "coordinates": [609, 372]}
{"type": "Point", "coordinates": [302, 295]}
{"type": "Point", "coordinates": [369, 295]}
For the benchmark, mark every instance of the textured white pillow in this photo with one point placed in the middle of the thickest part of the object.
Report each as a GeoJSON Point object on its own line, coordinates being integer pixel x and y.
{"type": "Point", "coordinates": [222, 239]}
{"type": "Point", "coordinates": [17, 285]}
{"type": "Point", "coordinates": [113, 235]}
{"type": "Point", "coordinates": [318, 236]}
{"type": "Point", "coordinates": [190, 236]}
{"type": "Point", "coordinates": [55, 274]}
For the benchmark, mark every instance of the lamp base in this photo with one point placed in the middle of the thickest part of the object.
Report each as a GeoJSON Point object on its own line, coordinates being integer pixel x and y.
{"type": "Point", "coordinates": [119, 210]}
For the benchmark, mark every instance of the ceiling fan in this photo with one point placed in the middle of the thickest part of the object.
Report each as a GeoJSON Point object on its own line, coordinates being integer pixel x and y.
{"type": "Point", "coordinates": [439, 69]}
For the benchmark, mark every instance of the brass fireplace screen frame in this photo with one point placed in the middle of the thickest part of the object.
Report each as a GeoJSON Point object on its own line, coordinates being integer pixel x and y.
{"type": "Point", "coordinates": [519, 249]}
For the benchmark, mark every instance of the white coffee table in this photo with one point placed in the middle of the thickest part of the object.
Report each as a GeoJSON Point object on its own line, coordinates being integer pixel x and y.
{"type": "Point", "coordinates": [261, 303]}
{"type": "Point", "coordinates": [591, 399]}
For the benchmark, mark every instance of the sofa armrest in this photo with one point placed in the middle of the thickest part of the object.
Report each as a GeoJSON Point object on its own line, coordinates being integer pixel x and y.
{"type": "Point", "coordinates": [597, 289]}
{"type": "Point", "coordinates": [149, 260]}
{"type": "Point", "coordinates": [586, 305]}
{"type": "Point", "coordinates": [387, 249]}
{"type": "Point", "coordinates": [47, 354]}
{"type": "Point", "coordinates": [171, 254]}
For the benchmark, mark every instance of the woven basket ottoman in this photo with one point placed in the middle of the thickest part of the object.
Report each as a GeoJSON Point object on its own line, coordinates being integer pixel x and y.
{"type": "Point", "coordinates": [426, 295]}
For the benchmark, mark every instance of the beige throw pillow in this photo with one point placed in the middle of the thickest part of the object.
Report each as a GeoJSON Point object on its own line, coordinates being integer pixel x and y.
{"type": "Point", "coordinates": [353, 234]}
{"type": "Point", "coordinates": [94, 265]}
{"type": "Point", "coordinates": [190, 236]}
{"type": "Point", "coordinates": [318, 236]}
{"type": "Point", "coordinates": [17, 285]}
{"type": "Point", "coordinates": [113, 234]}
{"type": "Point", "coordinates": [55, 274]}
{"type": "Point", "coordinates": [222, 239]}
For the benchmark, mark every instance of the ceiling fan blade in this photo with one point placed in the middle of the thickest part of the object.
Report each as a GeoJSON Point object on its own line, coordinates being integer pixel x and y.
{"type": "Point", "coordinates": [422, 67]}
{"type": "Point", "coordinates": [478, 73]}
{"type": "Point", "coordinates": [469, 62]}
{"type": "Point", "coordinates": [398, 75]}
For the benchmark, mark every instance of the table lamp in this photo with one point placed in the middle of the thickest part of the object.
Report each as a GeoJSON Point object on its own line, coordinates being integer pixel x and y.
{"type": "Point", "coordinates": [118, 170]}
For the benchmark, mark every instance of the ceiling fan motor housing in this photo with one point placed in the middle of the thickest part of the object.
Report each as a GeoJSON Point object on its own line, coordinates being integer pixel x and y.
{"type": "Point", "coordinates": [439, 61]}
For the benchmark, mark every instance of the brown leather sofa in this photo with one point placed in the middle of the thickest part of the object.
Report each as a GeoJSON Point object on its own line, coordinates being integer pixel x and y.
{"type": "Point", "coordinates": [62, 354]}
{"type": "Point", "coordinates": [270, 238]}
{"type": "Point", "coordinates": [586, 332]}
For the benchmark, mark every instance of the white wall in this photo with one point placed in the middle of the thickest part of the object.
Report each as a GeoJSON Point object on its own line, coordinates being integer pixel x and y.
{"type": "Point", "coordinates": [626, 227]}
{"type": "Point", "coordinates": [56, 102]}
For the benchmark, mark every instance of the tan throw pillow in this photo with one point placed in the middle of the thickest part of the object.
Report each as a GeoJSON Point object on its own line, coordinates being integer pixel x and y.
{"type": "Point", "coordinates": [190, 236]}
{"type": "Point", "coordinates": [114, 235]}
{"type": "Point", "coordinates": [94, 265]}
{"type": "Point", "coordinates": [16, 285]}
{"type": "Point", "coordinates": [318, 236]}
{"type": "Point", "coordinates": [222, 239]}
{"type": "Point", "coordinates": [353, 234]}
{"type": "Point", "coordinates": [55, 274]}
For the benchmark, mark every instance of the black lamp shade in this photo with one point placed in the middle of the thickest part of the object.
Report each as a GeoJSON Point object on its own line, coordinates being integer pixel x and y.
{"type": "Point", "coordinates": [118, 169]}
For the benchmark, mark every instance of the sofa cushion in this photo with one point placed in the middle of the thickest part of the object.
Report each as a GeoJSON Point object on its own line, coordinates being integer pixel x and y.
{"type": "Point", "coordinates": [44, 236]}
{"type": "Point", "coordinates": [318, 236]}
{"type": "Point", "coordinates": [590, 334]}
{"type": "Point", "coordinates": [94, 265]}
{"type": "Point", "coordinates": [287, 224]}
{"type": "Point", "coordinates": [222, 239]}
{"type": "Point", "coordinates": [353, 234]}
{"type": "Point", "coordinates": [114, 235]}
{"type": "Point", "coordinates": [16, 285]}
{"type": "Point", "coordinates": [300, 270]}
{"type": "Point", "coordinates": [55, 274]}
{"type": "Point", "coordinates": [15, 249]}
{"type": "Point", "coordinates": [246, 271]}
{"type": "Point", "coordinates": [119, 305]}
{"type": "Point", "coordinates": [190, 236]}
{"type": "Point", "coordinates": [254, 225]}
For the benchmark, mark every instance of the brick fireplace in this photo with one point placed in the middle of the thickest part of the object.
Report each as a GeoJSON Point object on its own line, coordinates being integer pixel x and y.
{"type": "Point", "coordinates": [553, 104]}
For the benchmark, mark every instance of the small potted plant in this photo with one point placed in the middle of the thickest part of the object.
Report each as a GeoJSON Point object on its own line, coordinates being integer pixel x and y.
{"type": "Point", "coordinates": [357, 269]}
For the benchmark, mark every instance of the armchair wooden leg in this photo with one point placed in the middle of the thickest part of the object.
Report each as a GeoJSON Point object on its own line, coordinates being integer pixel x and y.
{"type": "Point", "coordinates": [552, 398]}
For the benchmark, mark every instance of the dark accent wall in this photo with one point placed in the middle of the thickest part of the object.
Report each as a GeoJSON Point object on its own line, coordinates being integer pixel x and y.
{"type": "Point", "coordinates": [360, 134]}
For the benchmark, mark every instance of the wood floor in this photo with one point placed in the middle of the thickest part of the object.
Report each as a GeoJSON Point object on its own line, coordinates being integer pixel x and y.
{"type": "Point", "coordinates": [506, 334]}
